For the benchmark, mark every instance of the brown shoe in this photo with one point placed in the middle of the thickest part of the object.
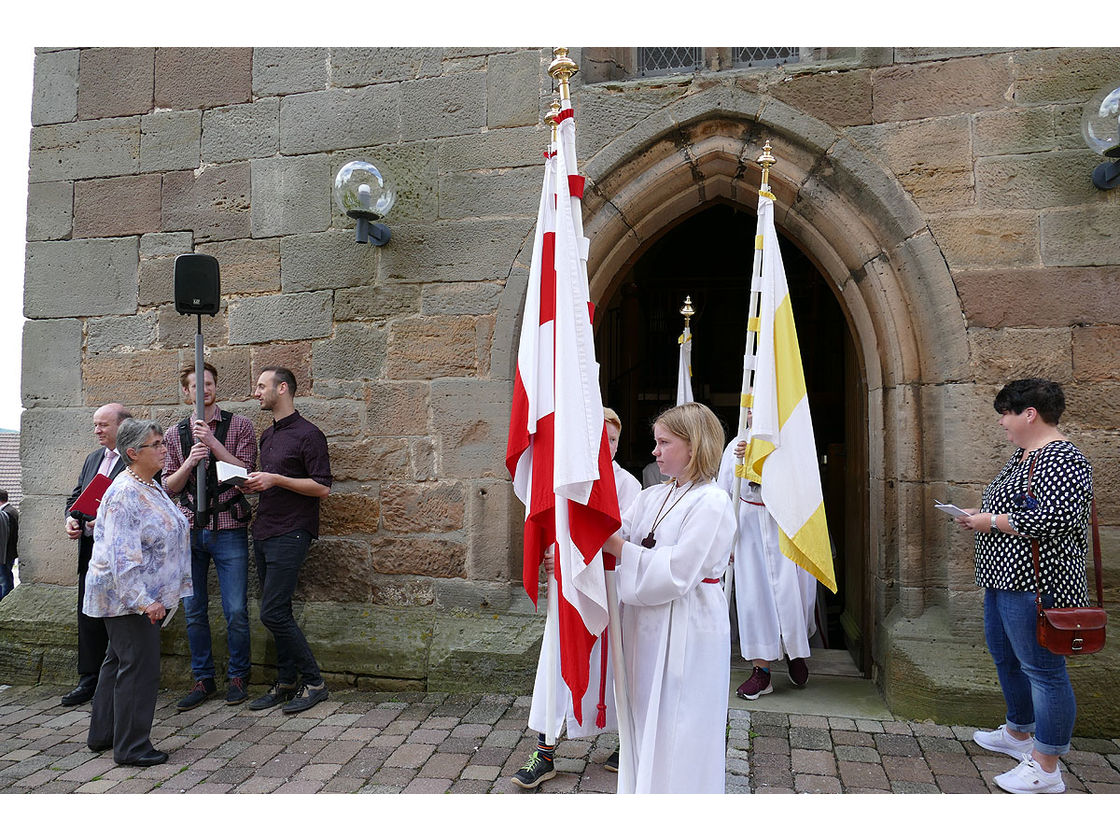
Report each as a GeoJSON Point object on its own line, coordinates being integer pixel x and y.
{"type": "Point", "coordinates": [756, 686]}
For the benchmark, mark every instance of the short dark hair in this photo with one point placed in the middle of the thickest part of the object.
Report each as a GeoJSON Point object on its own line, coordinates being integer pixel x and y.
{"type": "Point", "coordinates": [3, 496]}
{"type": "Point", "coordinates": [282, 374]}
{"type": "Point", "coordinates": [185, 374]}
{"type": "Point", "coordinates": [1044, 396]}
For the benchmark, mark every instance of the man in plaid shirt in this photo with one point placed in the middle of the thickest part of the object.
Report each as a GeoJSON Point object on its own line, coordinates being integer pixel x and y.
{"type": "Point", "coordinates": [221, 535]}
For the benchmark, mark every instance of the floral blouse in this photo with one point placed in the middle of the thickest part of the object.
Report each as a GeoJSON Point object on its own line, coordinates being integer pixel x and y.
{"type": "Point", "coordinates": [141, 551]}
{"type": "Point", "coordinates": [1056, 515]}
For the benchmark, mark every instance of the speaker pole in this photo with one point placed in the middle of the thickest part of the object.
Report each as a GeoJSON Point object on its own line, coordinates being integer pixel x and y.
{"type": "Point", "coordinates": [200, 413]}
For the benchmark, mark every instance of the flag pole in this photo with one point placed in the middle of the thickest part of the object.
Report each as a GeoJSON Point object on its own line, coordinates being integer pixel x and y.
{"type": "Point", "coordinates": [684, 372]}
{"type": "Point", "coordinates": [750, 354]}
{"type": "Point", "coordinates": [562, 68]}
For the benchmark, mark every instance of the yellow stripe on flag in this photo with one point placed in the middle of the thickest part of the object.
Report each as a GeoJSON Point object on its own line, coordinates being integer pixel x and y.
{"type": "Point", "coordinates": [811, 541]}
{"type": "Point", "coordinates": [744, 472]}
{"type": "Point", "coordinates": [746, 400]}
{"type": "Point", "coordinates": [787, 360]}
{"type": "Point", "coordinates": [758, 242]}
{"type": "Point", "coordinates": [753, 325]}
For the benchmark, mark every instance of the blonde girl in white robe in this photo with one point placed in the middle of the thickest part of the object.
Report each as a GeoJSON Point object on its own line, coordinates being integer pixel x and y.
{"type": "Point", "coordinates": [673, 546]}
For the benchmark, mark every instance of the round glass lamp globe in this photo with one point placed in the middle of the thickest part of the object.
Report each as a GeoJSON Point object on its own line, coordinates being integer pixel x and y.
{"type": "Point", "coordinates": [1100, 122]}
{"type": "Point", "coordinates": [362, 191]}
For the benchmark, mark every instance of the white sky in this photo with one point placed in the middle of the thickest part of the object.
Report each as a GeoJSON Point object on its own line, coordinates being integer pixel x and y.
{"type": "Point", "coordinates": [951, 22]}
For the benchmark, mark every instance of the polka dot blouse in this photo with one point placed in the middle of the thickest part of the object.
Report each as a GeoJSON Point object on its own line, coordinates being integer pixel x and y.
{"type": "Point", "coordinates": [1063, 488]}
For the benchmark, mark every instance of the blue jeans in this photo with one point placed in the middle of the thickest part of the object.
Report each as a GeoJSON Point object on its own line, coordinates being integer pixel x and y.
{"type": "Point", "coordinates": [230, 552]}
{"type": "Point", "coordinates": [279, 560]}
{"type": "Point", "coordinates": [1035, 684]}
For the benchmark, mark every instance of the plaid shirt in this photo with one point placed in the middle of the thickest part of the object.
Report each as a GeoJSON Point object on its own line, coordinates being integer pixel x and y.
{"type": "Point", "coordinates": [241, 441]}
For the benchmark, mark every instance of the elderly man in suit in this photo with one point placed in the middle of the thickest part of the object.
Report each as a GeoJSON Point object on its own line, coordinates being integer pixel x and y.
{"type": "Point", "coordinates": [92, 638]}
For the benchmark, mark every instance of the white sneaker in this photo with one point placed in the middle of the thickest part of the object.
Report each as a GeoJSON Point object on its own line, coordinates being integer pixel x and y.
{"type": "Point", "coordinates": [999, 741]}
{"type": "Point", "coordinates": [1029, 777]}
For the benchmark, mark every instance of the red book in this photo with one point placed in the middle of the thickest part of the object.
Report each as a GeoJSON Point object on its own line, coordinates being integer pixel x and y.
{"type": "Point", "coordinates": [90, 499]}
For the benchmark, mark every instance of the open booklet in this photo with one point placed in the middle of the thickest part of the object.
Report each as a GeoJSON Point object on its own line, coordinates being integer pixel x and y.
{"type": "Point", "coordinates": [952, 510]}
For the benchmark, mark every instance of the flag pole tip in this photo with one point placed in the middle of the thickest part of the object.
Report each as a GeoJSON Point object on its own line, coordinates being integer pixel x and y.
{"type": "Point", "coordinates": [562, 68]}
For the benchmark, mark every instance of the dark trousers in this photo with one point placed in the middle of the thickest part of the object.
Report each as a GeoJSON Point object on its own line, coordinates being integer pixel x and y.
{"type": "Point", "coordinates": [279, 560]}
{"type": "Point", "coordinates": [92, 638]}
{"type": "Point", "coordinates": [125, 702]}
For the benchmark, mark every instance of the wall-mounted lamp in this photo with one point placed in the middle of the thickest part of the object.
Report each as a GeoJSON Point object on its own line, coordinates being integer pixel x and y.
{"type": "Point", "coordinates": [1100, 126]}
{"type": "Point", "coordinates": [363, 193]}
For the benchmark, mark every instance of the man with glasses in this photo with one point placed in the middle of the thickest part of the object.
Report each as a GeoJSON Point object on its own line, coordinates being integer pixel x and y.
{"type": "Point", "coordinates": [219, 534]}
{"type": "Point", "coordinates": [105, 460]}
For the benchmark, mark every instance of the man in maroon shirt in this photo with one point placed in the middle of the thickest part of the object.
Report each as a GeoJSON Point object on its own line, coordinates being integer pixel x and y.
{"type": "Point", "coordinates": [295, 472]}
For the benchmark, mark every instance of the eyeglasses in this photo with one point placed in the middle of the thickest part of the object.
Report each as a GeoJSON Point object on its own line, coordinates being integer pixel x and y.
{"type": "Point", "coordinates": [159, 443]}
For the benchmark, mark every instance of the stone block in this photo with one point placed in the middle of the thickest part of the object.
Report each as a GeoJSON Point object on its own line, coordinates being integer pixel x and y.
{"type": "Point", "coordinates": [998, 356]}
{"type": "Point", "coordinates": [496, 193]}
{"type": "Point", "coordinates": [494, 531]}
{"type": "Point", "coordinates": [51, 374]}
{"type": "Point", "coordinates": [174, 330]}
{"type": "Point", "coordinates": [202, 77]}
{"type": "Point", "coordinates": [291, 195]}
{"type": "Point", "coordinates": [89, 149]}
{"type": "Point", "coordinates": [496, 651]}
{"type": "Point", "coordinates": [376, 302]}
{"type": "Point", "coordinates": [56, 441]}
{"type": "Point", "coordinates": [54, 94]}
{"type": "Point", "coordinates": [1082, 235]}
{"type": "Point", "coordinates": [336, 570]}
{"type": "Point", "coordinates": [170, 140]}
{"type": "Point", "coordinates": [1096, 352]}
{"type": "Point", "coordinates": [120, 206]}
{"type": "Point", "coordinates": [461, 298]}
{"type": "Point", "coordinates": [1064, 74]}
{"type": "Point", "coordinates": [149, 377]}
{"type": "Point", "coordinates": [349, 513]}
{"type": "Point", "coordinates": [1092, 405]}
{"type": "Point", "coordinates": [355, 351]}
{"type": "Point", "coordinates": [1013, 131]}
{"type": "Point", "coordinates": [497, 148]}
{"type": "Point", "coordinates": [213, 202]}
{"type": "Point", "coordinates": [956, 86]}
{"type": "Point", "coordinates": [838, 99]}
{"type": "Point", "coordinates": [371, 459]}
{"type": "Point", "coordinates": [397, 591]}
{"type": "Point", "coordinates": [339, 119]}
{"type": "Point", "coordinates": [1040, 296]}
{"type": "Point", "coordinates": [81, 277]}
{"type": "Point", "coordinates": [282, 70]}
{"type": "Point", "coordinates": [398, 408]}
{"type": "Point", "coordinates": [118, 334]}
{"type": "Point", "coordinates": [157, 281]}
{"type": "Point", "coordinates": [413, 170]}
{"type": "Point", "coordinates": [50, 210]}
{"type": "Point", "coordinates": [606, 112]}
{"type": "Point", "coordinates": [328, 260]}
{"type": "Point", "coordinates": [471, 419]}
{"type": "Point", "coordinates": [987, 239]}
{"type": "Point", "coordinates": [443, 106]}
{"type": "Point", "coordinates": [357, 66]}
{"type": "Point", "coordinates": [419, 556]}
{"type": "Point", "coordinates": [456, 250]}
{"type": "Point", "coordinates": [115, 82]}
{"type": "Point", "coordinates": [235, 388]}
{"type": "Point", "coordinates": [295, 356]}
{"type": "Point", "coordinates": [426, 348]}
{"type": "Point", "coordinates": [240, 132]}
{"type": "Point", "coordinates": [513, 89]}
{"type": "Point", "coordinates": [165, 244]}
{"type": "Point", "coordinates": [247, 266]}
{"type": "Point", "coordinates": [1035, 181]}
{"type": "Point", "coordinates": [422, 508]}
{"type": "Point", "coordinates": [964, 441]}
{"type": "Point", "coordinates": [267, 318]}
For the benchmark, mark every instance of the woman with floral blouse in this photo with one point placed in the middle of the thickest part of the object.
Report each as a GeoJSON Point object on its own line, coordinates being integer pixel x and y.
{"type": "Point", "coordinates": [140, 568]}
{"type": "Point", "coordinates": [1043, 493]}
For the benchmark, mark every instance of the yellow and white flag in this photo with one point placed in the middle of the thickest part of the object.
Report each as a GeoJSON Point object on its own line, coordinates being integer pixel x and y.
{"type": "Point", "coordinates": [782, 450]}
{"type": "Point", "coordinates": [684, 368]}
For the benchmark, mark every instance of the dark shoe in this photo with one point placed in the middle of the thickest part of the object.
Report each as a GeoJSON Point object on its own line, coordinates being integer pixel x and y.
{"type": "Point", "coordinates": [798, 672]}
{"type": "Point", "coordinates": [203, 690]}
{"type": "Point", "coordinates": [236, 692]}
{"type": "Point", "coordinates": [279, 693]}
{"type": "Point", "coordinates": [81, 694]}
{"type": "Point", "coordinates": [100, 747]}
{"type": "Point", "coordinates": [612, 762]}
{"type": "Point", "coordinates": [305, 698]}
{"type": "Point", "coordinates": [536, 770]}
{"type": "Point", "coordinates": [147, 760]}
{"type": "Point", "coordinates": [756, 686]}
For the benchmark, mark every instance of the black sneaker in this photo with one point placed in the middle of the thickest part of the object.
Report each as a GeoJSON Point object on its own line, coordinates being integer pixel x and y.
{"type": "Point", "coordinates": [305, 698]}
{"type": "Point", "coordinates": [279, 693]}
{"type": "Point", "coordinates": [798, 672]}
{"type": "Point", "coordinates": [612, 762]}
{"type": "Point", "coordinates": [203, 690]}
{"type": "Point", "coordinates": [536, 770]}
{"type": "Point", "coordinates": [236, 692]}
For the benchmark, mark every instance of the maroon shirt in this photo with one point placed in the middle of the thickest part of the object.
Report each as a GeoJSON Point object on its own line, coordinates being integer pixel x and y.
{"type": "Point", "coordinates": [295, 448]}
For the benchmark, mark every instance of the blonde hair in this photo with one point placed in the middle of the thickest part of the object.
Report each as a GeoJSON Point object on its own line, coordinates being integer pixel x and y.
{"type": "Point", "coordinates": [695, 424]}
{"type": "Point", "coordinates": [611, 416]}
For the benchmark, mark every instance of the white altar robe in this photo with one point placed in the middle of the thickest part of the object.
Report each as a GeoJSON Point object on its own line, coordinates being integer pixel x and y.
{"type": "Point", "coordinates": [677, 638]}
{"type": "Point", "coordinates": [549, 712]}
{"type": "Point", "coordinates": [775, 598]}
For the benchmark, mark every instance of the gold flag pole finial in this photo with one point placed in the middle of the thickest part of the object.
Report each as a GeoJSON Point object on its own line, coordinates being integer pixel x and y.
{"type": "Point", "coordinates": [553, 117]}
{"type": "Point", "coordinates": [766, 160]}
{"type": "Point", "coordinates": [687, 311]}
{"type": "Point", "coordinates": [562, 68]}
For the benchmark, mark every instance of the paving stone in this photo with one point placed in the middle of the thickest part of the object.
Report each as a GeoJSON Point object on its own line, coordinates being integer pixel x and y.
{"type": "Point", "coordinates": [859, 774]}
{"type": "Point", "coordinates": [816, 784]}
{"type": "Point", "coordinates": [869, 726]}
{"type": "Point", "coordinates": [764, 745]}
{"type": "Point", "coordinates": [812, 762]}
{"type": "Point", "coordinates": [410, 755]}
{"type": "Point", "coordinates": [888, 744]}
{"type": "Point", "coordinates": [914, 787]}
{"type": "Point", "coordinates": [863, 754]}
{"type": "Point", "coordinates": [961, 784]}
{"type": "Point", "coordinates": [443, 765]}
{"type": "Point", "coordinates": [810, 739]}
{"type": "Point", "coordinates": [906, 769]}
{"type": "Point", "coordinates": [948, 764]}
{"type": "Point", "coordinates": [944, 745]}
{"type": "Point", "coordinates": [844, 737]}
{"type": "Point", "coordinates": [484, 772]}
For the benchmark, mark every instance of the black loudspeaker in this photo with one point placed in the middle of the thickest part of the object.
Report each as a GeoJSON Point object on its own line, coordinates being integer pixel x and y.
{"type": "Point", "coordinates": [197, 285]}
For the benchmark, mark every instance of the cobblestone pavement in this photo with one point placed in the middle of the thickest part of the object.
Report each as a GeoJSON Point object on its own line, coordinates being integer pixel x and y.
{"type": "Point", "coordinates": [367, 742]}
